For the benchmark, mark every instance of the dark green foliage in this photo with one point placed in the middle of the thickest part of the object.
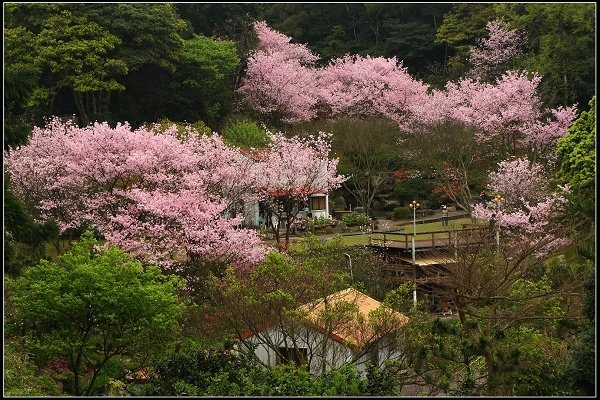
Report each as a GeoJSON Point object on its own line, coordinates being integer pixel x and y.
{"type": "Point", "coordinates": [589, 297]}
{"type": "Point", "coordinates": [405, 31]}
{"type": "Point", "coordinates": [402, 212]}
{"type": "Point", "coordinates": [560, 46]}
{"type": "Point", "coordinates": [205, 79]}
{"type": "Point", "coordinates": [420, 188]}
{"type": "Point", "coordinates": [24, 239]}
{"type": "Point", "coordinates": [194, 371]}
{"type": "Point", "coordinates": [580, 372]}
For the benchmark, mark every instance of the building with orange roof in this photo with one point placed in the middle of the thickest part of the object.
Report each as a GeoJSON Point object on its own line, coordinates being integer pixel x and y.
{"type": "Point", "coordinates": [344, 327]}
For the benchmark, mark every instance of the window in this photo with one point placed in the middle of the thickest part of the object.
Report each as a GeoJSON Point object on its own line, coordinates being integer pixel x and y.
{"type": "Point", "coordinates": [292, 355]}
{"type": "Point", "coordinates": [317, 203]}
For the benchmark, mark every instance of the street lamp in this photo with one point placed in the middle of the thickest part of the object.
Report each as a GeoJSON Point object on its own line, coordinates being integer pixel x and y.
{"type": "Point", "coordinates": [498, 200]}
{"type": "Point", "coordinates": [414, 205]}
{"type": "Point", "coordinates": [350, 261]}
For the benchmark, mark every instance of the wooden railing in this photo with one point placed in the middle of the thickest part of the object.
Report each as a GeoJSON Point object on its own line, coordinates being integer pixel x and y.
{"type": "Point", "coordinates": [434, 238]}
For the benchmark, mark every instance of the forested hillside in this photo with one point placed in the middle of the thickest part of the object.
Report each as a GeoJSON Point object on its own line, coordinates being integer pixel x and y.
{"type": "Point", "coordinates": [142, 63]}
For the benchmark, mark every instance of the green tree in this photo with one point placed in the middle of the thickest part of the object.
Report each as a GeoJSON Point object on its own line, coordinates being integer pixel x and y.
{"type": "Point", "coordinates": [560, 46]}
{"type": "Point", "coordinates": [577, 151]}
{"type": "Point", "coordinates": [205, 78]}
{"type": "Point", "coordinates": [460, 29]}
{"type": "Point", "coordinates": [94, 304]}
{"type": "Point", "coordinates": [75, 52]}
{"type": "Point", "coordinates": [150, 34]}
{"type": "Point", "coordinates": [577, 168]}
{"type": "Point", "coordinates": [24, 239]}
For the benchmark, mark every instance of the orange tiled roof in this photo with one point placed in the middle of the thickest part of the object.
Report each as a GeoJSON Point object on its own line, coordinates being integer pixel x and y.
{"type": "Point", "coordinates": [356, 331]}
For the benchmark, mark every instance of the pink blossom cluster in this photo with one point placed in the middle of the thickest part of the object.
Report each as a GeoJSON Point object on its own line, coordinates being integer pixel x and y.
{"type": "Point", "coordinates": [529, 207]}
{"type": "Point", "coordinates": [356, 85]}
{"type": "Point", "coordinates": [282, 80]}
{"type": "Point", "coordinates": [509, 106]}
{"type": "Point", "coordinates": [272, 42]}
{"type": "Point", "coordinates": [543, 135]}
{"type": "Point", "coordinates": [493, 52]}
{"type": "Point", "coordinates": [153, 194]}
{"type": "Point", "coordinates": [297, 167]}
{"type": "Point", "coordinates": [165, 199]}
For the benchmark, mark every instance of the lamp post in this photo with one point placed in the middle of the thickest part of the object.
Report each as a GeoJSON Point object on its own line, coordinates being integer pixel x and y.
{"type": "Point", "coordinates": [414, 205]}
{"type": "Point", "coordinates": [498, 199]}
{"type": "Point", "coordinates": [350, 261]}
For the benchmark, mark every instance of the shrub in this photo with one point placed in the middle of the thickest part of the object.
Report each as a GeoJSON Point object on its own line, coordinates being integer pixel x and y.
{"type": "Point", "coordinates": [200, 371]}
{"type": "Point", "coordinates": [402, 212]}
{"type": "Point", "coordinates": [321, 222]}
{"type": "Point", "coordinates": [20, 377]}
{"type": "Point", "coordinates": [245, 134]}
{"type": "Point", "coordinates": [355, 219]}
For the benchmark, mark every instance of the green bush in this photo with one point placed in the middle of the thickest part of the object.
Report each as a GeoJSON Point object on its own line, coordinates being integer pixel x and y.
{"type": "Point", "coordinates": [183, 128]}
{"type": "Point", "coordinates": [321, 222]}
{"type": "Point", "coordinates": [20, 377]}
{"type": "Point", "coordinates": [355, 219]}
{"type": "Point", "coordinates": [402, 212]}
{"type": "Point", "coordinates": [216, 372]}
{"type": "Point", "coordinates": [245, 134]}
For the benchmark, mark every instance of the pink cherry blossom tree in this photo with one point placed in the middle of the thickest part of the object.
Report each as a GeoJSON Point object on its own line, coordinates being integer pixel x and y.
{"type": "Point", "coordinates": [530, 207]}
{"type": "Point", "coordinates": [356, 85]}
{"type": "Point", "coordinates": [152, 194]}
{"type": "Point", "coordinates": [291, 170]}
{"type": "Point", "coordinates": [491, 122]}
{"type": "Point", "coordinates": [491, 56]}
{"type": "Point", "coordinates": [280, 79]}
{"type": "Point", "coordinates": [283, 81]}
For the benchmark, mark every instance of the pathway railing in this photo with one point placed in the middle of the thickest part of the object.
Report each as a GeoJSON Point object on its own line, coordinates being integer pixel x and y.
{"type": "Point", "coordinates": [440, 238]}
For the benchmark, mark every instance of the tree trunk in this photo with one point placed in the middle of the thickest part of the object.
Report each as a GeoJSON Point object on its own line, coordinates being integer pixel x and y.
{"type": "Point", "coordinates": [78, 97]}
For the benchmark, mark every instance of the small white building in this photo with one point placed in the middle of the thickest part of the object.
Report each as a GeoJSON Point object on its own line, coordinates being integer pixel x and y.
{"type": "Point", "coordinates": [316, 205]}
{"type": "Point", "coordinates": [361, 332]}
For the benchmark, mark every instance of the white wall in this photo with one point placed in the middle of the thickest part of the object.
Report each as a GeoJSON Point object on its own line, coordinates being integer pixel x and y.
{"type": "Point", "coordinates": [323, 352]}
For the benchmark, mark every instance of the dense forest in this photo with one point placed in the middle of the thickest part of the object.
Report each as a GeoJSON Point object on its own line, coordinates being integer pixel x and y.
{"type": "Point", "coordinates": [143, 63]}
{"type": "Point", "coordinates": [525, 128]}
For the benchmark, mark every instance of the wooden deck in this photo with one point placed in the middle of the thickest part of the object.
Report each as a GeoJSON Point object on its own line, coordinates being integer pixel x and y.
{"type": "Point", "coordinates": [430, 240]}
